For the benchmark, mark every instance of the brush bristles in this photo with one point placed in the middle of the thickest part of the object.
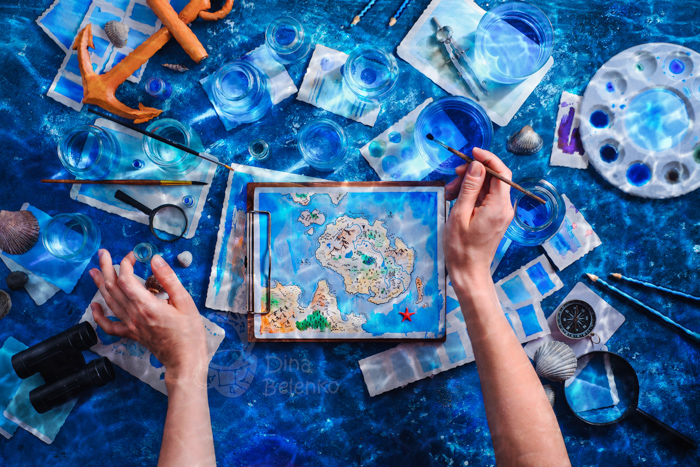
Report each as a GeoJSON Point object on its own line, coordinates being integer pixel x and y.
{"type": "Point", "coordinates": [430, 136]}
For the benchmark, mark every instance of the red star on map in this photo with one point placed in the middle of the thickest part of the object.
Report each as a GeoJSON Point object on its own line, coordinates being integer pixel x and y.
{"type": "Point", "coordinates": [406, 315]}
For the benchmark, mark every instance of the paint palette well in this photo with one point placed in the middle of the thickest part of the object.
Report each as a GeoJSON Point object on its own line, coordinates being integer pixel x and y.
{"type": "Point", "coordinates": [638, 120]}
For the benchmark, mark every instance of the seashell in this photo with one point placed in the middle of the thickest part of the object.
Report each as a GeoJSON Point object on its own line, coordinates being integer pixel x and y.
{"type": "Point", "coordinates": [525, 142]}
{"type": "Point", "coordinates": [19, 231]}
{"type": "Point", "coordinates": [555, 361]}
{"type": "Point", "coordinates": [185, 259]}
{"type": "Point", "coordinates": [16, 280]}
{"type": "Point", "coordinates": [154, 286]}
{"type": "Point", "coordinates": [178, 68]}
{"type": "Point", "coordinates": [549, 390]}
{"type": "Point", "coordinates": [5, 303]}
{"type": "Point", "coordinates": [118, 33]}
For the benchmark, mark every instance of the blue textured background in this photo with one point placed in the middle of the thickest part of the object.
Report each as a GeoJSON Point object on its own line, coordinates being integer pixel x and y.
{"type": "Point", "coordinates": [439, 421]}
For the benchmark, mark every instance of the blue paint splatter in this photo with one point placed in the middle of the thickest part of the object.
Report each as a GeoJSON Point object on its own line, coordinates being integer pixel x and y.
{"type": "Point", "coordinates": [155, 362]}
{"type": "Point", "coordinates": [638, 174]}
{"type": "Point", "coordinates": [540, 277]}
{"type": "Point", "coordinates": [451, 304]}
{"type": "Point", "coordinates": [610, 87]}
{"type": "Point", "coordinates": [528, 318]}
{"type": "Point", "coordinates": [599, 119]}
{"type": "Point", "coordinates": [515, 290]}
{"type": "Point", "coordinates": [105, 338]}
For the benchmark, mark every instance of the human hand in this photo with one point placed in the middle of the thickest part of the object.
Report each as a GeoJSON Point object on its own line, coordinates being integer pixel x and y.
{"type": "Point", "coordinates": [478, 219]}
{"type": "Point", "coordinates": [172, 330]}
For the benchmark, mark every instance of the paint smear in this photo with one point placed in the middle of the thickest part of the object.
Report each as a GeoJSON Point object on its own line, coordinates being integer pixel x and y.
{"type": "Point", "coordinates": [515, 290]}
{"type": "Point", "coordinates": [568, 140]}
{"type": "Point", "coordinates": [541, 279]}
{"type": "Point", "coordinates": [428, 358]}
{"type": "Point", "coordinates": [528, 318]}
{"type": "Point", "coordinates": [565, 241]}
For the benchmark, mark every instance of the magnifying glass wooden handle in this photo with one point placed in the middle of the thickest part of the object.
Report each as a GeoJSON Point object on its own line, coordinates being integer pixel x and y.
{"type": "Point", "coordinates": [667, 428]}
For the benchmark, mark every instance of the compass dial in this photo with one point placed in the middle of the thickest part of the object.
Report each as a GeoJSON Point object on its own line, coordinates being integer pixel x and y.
{"type": "Point", "coordinates": [576, 319]}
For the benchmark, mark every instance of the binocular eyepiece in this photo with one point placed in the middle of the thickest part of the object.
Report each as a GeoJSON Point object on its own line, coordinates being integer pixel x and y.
{"type": "Point", "coordinates": [60, 362]}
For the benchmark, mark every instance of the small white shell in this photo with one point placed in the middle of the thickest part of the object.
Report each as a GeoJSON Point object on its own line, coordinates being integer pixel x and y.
{"type": "Point", "coordinates": [118, 33]}
{"type": "Point", "coordinates": [550, 393]}
{"type": "Point", "coordinates": [185, 259]}
{"type": "Point", "coordinates": [525, 142]}
{"type": "Point", "coordinates": [555, 361]}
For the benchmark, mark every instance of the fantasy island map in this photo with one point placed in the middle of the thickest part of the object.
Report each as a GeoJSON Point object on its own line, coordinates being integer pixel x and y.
{"type": "Point", "coordinates": [350, 262]}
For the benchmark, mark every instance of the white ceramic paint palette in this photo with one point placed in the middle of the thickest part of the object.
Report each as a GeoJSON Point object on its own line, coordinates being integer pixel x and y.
{"type": "Point", "coordinates": [638, 120]}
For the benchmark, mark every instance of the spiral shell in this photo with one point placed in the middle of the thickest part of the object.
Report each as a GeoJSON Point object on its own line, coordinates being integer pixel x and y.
{"type": "Point", "coordinates": [549, 390]}
{"type": "Point", "coordinates": [5, 303]}
{"type": "Point", "coordinates": [19, 231]}
{"type": "Point", "coordinates": [185, 259]}
{"type": "Point", "coordinates": [175, 67]}
{"type": "Point", "coordinates": [525, 142]}
{"type": "Point", "coordinates": [154, 286]}
{"type": "Point", "coordinates": [555, 361]}
{"type": "Point", "coordinates": [118, 33]}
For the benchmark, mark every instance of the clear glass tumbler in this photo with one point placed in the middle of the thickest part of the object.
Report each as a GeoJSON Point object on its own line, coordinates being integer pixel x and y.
{"type": "Point", "coordinates": [287, 39]}
{"type": "Point", "coordinates": [323, 144]}
{"type": "Point", "coordinates": [513, 41]}
{"type": "Point", "coordinates": [71, 237]}
{"type": "Point", "coordinates": [89, 152]}
{"type": "Point", "coordinates": [167, 157]}
{"type": "Point", "coordinates": [143, 252]}
{"type": "Point", "coordinates": [534, 223]}
{"type": "Point", "coordinates": [241, 91]}
{"type": "Point", "coordinates": [370, 75]}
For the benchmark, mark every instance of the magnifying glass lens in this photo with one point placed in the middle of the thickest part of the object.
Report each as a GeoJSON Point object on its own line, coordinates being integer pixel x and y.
{"type": "Point", "coordinates": [603, 390]}
{"type": "Point", "coordinates": [169, 223]}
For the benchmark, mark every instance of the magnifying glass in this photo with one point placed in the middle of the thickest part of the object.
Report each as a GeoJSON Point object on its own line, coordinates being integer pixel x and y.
{"type": "Point", "coordinates": [167, 221]}
{"type": "Point", "coordinates": [605, 390]}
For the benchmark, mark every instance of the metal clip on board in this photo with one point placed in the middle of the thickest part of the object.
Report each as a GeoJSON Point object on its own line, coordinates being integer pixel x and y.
{"type": "Point", "coordinates": [250, 260]}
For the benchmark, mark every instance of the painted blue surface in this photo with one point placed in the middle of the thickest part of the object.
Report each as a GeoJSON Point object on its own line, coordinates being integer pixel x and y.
{"type": "Point", "coordinates": [515, 290]}
{"type": "Point", "coordinates": [541, 279]}
{"type": "Point", "coordinates": [428, 358]}
{"type": "Point", "coordinates": [402, 366]}
{"type": "Point", "coordinates": [121, 423]}
{"type": "Point", "coordinates": [528, 318]}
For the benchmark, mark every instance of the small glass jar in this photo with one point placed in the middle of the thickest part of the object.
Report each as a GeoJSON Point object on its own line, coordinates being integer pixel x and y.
{"type": "Point", "coordinates": [323, 144]}
{"type": "Point", "coordinates": [458, 122]}
{"type": "Point", "coordinates": [158, 87]}
{"type": "Point", "coordinates": [513, 41]}
{"type": "Point", "coordinates": [71, 237]}
{"type": "Point", "coordinates": [89, 152]}
{"type": "Point", "coordinates": [370, 75]}
{"type": "Point", "coordinates": [169, 158]}
{"type": "Point", "coordinates": [534, 223]}
{"type": "Point", "coordinates": [287, 39]}
{"type": "Point", "coordinates": [241, 92]}
{"type": "Point", "coordinates": [259, 149]}
{"type": "Point", "coordinates": [143, 252]}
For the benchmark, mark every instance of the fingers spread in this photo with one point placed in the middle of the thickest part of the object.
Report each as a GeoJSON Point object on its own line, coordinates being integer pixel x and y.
{"type": "Point", "coordinates": [179, 296]}
{"type": "Point", "coordinates": [113, 328]}
{"type": "Point", "coordinates": [118, 307]}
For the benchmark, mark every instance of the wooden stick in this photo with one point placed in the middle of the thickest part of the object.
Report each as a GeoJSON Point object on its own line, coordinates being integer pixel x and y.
{"type": "Point", "coordinates": [492, 172]}
{"type": "Point", "coordinates": [620, 277]}
{"type": "Point", "coordinates": [694, 335]}
{"type": "Point", "coordinates": [128, 182]}
{"type": "Point", "coordinates": [179, 146]}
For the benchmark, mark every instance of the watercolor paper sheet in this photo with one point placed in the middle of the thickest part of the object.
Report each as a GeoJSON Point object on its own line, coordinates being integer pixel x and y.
{"type": "Point", "coordinates": [280, 83]}
{"type": "Point", "coordinates": [227, 281]}
{"type": "Point", "coordinates": [9, 382]}
{"type": "Point", "coordinates": [421, 49]}
{"type": "Point", "coordinates": [39, 289]}
{"type": "Point", "coordinates": [350, 262]}
{"type": "Point", "coordinates": [394, 155]}
{"type": "Point", "coordinates": [594, 377]}
{"type": "Point", "coordinates": [608, 320]}
{"type": "Point", "coordinates": [61, 20]}
{"type": "Point", "coordinates": [133, 357]}
{"type": "Point", "coordinates": [573, 241]}
{"type": "Point", "coordinates": [567, 148]}
{"type": "Point", "coordinates": [102, 196]}
{"type": "Point", "coordinates": [323, 87]}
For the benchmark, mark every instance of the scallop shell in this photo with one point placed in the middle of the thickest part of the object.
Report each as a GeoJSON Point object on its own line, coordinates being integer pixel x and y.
{"type": "Point", "coordinates": [555, 361]}
{"type": "Point", "coordinates": [176, 67]}
{"type": "Point", "coordinates": [5, 303]}
{"type": "Point", "coordinates": [118, 33]}
{"type": "Point", "coordinates": [549, 390]}
{"type": "Point", "coordinates": [19, 231]}
{"type": "Point", "coordinates": [525, 142]}
{"type": "Point", "coordinates": [154, 286]}
{"type": "Point", "coordinates": [185, 259]}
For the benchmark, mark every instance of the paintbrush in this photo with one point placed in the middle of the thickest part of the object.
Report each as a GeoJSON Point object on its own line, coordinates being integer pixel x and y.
{"type": "Point", "coordinates": [128, 182]}
{"type": "Point", "coordinates": [158, 138]}
{"type": "Point", "coordinates": [694, 335]}
{"type": "Point", "coordinates": [492, 172]}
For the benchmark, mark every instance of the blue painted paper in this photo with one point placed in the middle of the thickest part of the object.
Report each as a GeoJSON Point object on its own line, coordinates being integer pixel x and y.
{"type": "Point", "coordinates": [529, 321]}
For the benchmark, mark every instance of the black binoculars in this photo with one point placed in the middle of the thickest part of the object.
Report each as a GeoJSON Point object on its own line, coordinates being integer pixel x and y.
{"type": "Point", "coordinates": [60, 362]}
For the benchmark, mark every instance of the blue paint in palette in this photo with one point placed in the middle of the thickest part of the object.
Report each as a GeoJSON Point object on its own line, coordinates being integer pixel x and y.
{"type": "Point", "coordinates": [608, 153]}
{"type": "Point", "coordinates": [454, 348]}
{"type": "Point", "coordinates": [515, 290]}
{"type": "Point", "coordinates": [638, 174]}
{"type": "Point", "coordinates": [402, 366]}
{"type": "Point", "coordinates": [528, 318]}
{"type": "Point", "coordinates": [610, 87]}
{"type": "Point", "coordinates": [599, 119]}
{"type": "Point", "coordinates": [428, 358]}
{"type": "Point", "coordinates": [676, 66]}
{"type": "Point", "coordinates": [541, 279]}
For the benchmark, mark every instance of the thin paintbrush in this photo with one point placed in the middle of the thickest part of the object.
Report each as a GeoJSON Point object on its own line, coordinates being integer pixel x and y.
{"type": "Point", "coordinates": [694, 335]}
{"type": "Point", "coordinates": [488, 169]}
{"type": "Point", "coordinates": [620, 277]}
{"type": "Point", "coordinates": [128, 182]}
{"type": "Point", "coordinates": [179, 146]}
